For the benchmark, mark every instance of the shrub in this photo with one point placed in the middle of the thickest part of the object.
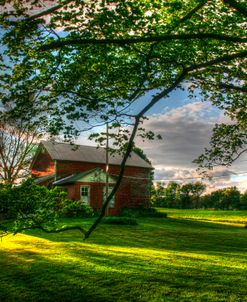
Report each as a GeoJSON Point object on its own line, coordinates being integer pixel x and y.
{"type": "Point", "coordinates": [71, 208]}
{"type": "Point", "coordinates": [243, 201]}
{"type": "Point", "coordinates": [128, 213]}
{"type": "Point", "coordinates": [5, 202]}
{"type": "Point", "coordinates": [30, 205]}
{"type": "Point", "coordinates": [19, 199]}
{"type": "Point", "coordinates": [157, 215]}
{"type": "Point", "coordinates": [143, 212]}
{"type": "Point", "coordinates": [151, 212]}
{"type": "Point", "coordinates": [120, 220]}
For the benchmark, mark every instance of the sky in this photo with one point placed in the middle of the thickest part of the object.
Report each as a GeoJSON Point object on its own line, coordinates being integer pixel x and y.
{"type": "Point", "coordinates": [185, 126]}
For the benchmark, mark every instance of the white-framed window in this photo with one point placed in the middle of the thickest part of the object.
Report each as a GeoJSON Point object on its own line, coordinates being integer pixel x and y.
{"type": "Point", "coordinates": [85, 194]}
{"type": "Point", "coordinates": [112, 202]}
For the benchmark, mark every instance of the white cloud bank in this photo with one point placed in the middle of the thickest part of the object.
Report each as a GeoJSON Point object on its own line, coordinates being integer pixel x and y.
{"type": "Point", "coordinates": [186, 131]}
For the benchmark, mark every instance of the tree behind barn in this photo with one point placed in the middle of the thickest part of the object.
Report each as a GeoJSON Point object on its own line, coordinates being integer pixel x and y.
{"type": "Point", "coordinates": [17, 147]}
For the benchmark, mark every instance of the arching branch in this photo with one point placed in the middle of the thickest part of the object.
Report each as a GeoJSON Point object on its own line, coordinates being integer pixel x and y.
{"type": "Point", "coordinates": [134, 40]}
{"type": "Point", "coordinates": [121, 173]}
{"type": "Point", "coordinates": [221, 59]}
{"type": "Point", "coordinates": [239, 154]}
{"type": "Point", "coordinates": [240, 7]}
{"type": "Point", "coordinates": [129, 149]}
{"type": "Point", "coordinates": [48, 11]}
{"type": "Point", "coordinates": [193, 11]}
{"type": "Point", "coordinates": [40, 227]}
{"type": "Point", "coordinates": [41, 14]}
{"type": "Point", "coordinates": [232, 87]}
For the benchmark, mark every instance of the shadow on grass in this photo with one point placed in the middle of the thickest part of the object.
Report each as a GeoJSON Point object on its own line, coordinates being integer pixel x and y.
{"type": "Point", "coordinates": [171, 234]}
{"type": "Point", "coordinates": [88, 274]}
{"type": "Point", "coordinates": [38, 279]}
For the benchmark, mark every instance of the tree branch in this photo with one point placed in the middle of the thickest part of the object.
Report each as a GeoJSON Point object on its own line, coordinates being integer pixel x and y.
{"type": "Point", "coordinates": [133, 40]}
{"type": "Point", "coordinates": [40, 227]}
{"type": "Point", "coordinates": [48, 11]}
{"type": "Point", "coordinates": [239, 154]}
{"type": "Point", "coordinates": [240, 7]}
{"type": "Point", "coordinates": [164, 93]}
{"type": "Point", "coordinates": [40, 14]}
{"type": "Point", "coordinates": [120, 177]}
{"type": "Point", "coordinates": [129, 149]}
{"type": "Point", "coordinates": [193, 11]}
{"type": "Point", "coordinates": [232, 87]}
{"type": "Point", "coordinates": [225, 58]}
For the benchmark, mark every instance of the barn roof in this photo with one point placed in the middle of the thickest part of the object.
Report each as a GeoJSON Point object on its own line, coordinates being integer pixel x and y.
{"type": "Point", "coordinates": [78, 176]}
{"type": "Point", "coordinates": [72, 178]}
{"type": "Point", "coordinates": [44, 178]}
{"type": "Point", "coordinates": [68, 152]}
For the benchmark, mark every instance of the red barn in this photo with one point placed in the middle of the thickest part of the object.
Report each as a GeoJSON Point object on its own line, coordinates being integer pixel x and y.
{"type": "Point", "coordinates": [80, 170]}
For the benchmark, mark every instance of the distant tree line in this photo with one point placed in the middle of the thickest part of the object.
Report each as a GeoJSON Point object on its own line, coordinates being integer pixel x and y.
{"type": "Point", "coordinates": [190, 196]}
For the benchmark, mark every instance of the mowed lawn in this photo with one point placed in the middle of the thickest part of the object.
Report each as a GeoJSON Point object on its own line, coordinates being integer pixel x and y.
{"type": "Point", "coordinates": [226, 217]}
{"type": "Point", "coordinates": [180, 258]}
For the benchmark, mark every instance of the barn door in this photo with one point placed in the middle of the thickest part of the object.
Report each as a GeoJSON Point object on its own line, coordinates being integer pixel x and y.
{"type": "Point", "coordinates": [85, 194]}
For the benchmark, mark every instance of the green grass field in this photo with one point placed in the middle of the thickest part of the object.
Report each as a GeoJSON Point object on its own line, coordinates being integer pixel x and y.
{"type": "Point", "coordinates": [181, 258]}
{"type": "Point", "coordinates": [225, 217]}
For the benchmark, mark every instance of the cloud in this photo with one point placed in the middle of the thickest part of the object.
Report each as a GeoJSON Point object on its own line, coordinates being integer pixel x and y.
{"type": "Point", "coordinates": [221, 177]}
{"type": "Point", "coordinates": [184, 175]}
{"type": "Point", "coordinates": [186, 131]}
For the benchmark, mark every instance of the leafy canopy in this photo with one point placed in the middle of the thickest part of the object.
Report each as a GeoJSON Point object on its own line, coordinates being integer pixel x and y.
{"type": "Point", "coordinates": [93, 58]}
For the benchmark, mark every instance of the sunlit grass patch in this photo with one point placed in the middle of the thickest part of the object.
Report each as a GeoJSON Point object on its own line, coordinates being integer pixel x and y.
{"type": "Point", "coordinates": [225, 217]}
